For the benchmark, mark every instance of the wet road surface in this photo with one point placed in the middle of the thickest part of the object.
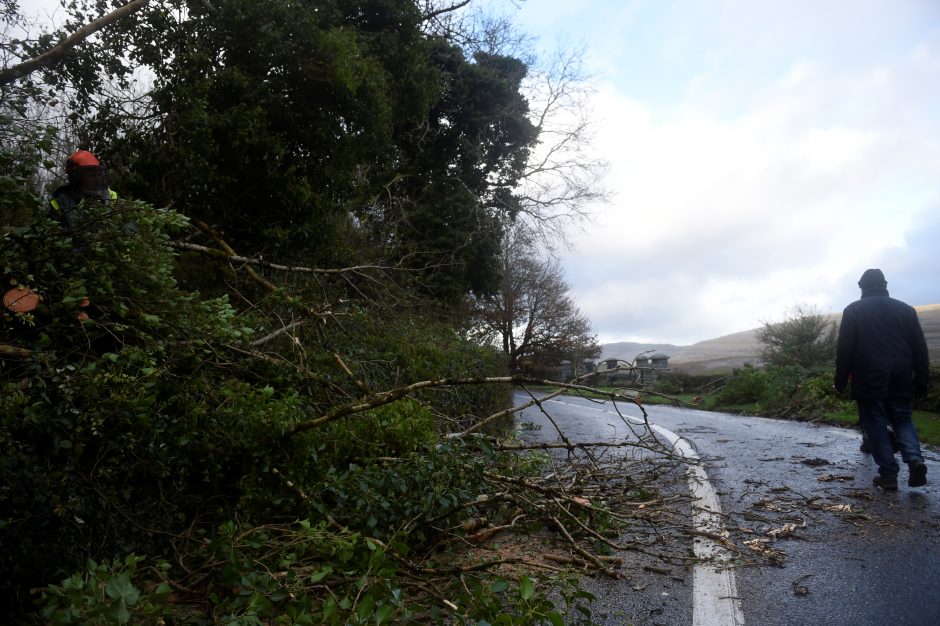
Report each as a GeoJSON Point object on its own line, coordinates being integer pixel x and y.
{"type": "Point", "coordinates": [818, 543]}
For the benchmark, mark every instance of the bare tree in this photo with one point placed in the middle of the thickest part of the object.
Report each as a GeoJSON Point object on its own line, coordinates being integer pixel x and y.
{"type": "Point", "coordinates": [533, 318]}
{"type": "Point", "coordinates": [806, 338]}
{"type": "Point", "coordinates": [562, 177]}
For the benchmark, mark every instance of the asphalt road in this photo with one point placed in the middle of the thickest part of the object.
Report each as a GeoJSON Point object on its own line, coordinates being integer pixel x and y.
{"type": "Point", "coordinates": [832, 548]}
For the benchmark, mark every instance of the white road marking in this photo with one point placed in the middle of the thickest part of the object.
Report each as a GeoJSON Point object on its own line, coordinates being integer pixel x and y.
{"type": "Point", "coordinates": [715, 598]}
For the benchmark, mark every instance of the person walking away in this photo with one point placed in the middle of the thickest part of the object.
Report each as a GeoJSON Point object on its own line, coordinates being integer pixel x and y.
{"type": "Point", "coordinates": [882, 347]}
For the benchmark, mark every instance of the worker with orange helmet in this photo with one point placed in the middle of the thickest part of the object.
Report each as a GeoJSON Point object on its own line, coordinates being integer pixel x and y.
{"type": "Point", "coordinates": [88, 181]}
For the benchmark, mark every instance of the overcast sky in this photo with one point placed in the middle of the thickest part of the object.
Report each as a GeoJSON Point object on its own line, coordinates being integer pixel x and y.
{"type": "Point", "coordinates": [762, 154]}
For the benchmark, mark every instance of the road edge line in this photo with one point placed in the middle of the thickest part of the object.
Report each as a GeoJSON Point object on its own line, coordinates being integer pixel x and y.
{"type": "Point", "coordinates": [715, 597]}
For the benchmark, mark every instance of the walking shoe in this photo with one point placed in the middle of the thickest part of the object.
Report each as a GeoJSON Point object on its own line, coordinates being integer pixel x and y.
{"type": "Point", "coordinates": [888, 483]}
{"type": "Point", "coordinates": [918, 475]}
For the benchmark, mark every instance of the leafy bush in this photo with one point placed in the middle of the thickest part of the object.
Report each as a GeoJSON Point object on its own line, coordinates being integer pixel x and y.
{"type": "Point", "coordinates": [395, 349]}
{"type": "Point", "coordinates": [105, 594]}
{"type": "Point", "coordinates": [932, 401]}
{"type": "Point", "coordinates": [128, 421]}
{"type": "Point", "coordinates": [806, 338]}
{"type": "Point", "coordinates": [790, 391]}
{"type": "Point", "coordinates": [154, 420]}
{"type": "Point", "coordinates": [748, 384]}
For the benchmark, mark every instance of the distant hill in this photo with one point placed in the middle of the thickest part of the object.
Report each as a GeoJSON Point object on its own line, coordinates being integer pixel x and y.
{"type": "Point", "coordinates": [627, 350]}
{"type": "Point", "coordinates": [723, 354]}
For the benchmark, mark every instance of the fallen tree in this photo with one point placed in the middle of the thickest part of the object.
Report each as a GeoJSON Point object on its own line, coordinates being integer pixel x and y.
{"type": "Point", "coordinates": [301, 456]}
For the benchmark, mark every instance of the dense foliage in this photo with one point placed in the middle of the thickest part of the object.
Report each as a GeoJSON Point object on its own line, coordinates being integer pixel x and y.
{"type": "Point", "coordinates": [783, 391]}
{"type": "Point", "coordinates": [335, 128]}
{"type": "Point", "coordinates": [795, 392]}
{"type": "Point", "coordinates": [155, 418]}
{"type": "Point", "coordinates": [194, 435]}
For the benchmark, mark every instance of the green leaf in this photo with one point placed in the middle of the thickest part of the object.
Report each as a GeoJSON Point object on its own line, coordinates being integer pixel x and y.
{"type": "Point", "coordinates": [120, 588]}
{"type": "Point", "coordinates": [383, 614]}
{"type": "Point", "coordinates": [499, 585]}
{"type": "Point", "coordinates": [322, 573]}
{"type": "Point", "coordinates": [365, 608]}
{"type": "Point", "coordinates": [526, 588]}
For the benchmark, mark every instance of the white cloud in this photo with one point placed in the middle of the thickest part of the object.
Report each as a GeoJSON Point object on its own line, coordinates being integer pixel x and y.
{"type": "Point", "coordinates": [720, 221]}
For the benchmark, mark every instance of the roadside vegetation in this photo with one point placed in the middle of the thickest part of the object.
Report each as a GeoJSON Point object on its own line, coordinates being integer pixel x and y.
{"type": "Point", "coordinates": [794, 382]}
{"type": "Point", "coordinates": [256, 388]}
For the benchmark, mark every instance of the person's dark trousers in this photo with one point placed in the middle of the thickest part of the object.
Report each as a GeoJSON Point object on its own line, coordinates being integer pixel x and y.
{"type": "Point", "coordinates": [875, 415]}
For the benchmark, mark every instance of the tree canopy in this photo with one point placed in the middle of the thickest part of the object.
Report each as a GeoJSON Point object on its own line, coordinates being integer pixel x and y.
{"type": "Point", "coordinates": [251, 361]}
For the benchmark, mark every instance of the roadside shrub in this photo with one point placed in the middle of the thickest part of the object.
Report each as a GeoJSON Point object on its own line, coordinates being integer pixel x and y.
{"type": "Point", "coordinates": [793, 391]}
{"type": "Point", "coordinates": [932, 401]}
{"type": "Point", "coordinates": [153, 421]}
{"type": "Point", "coordinates": [785, 391]}
{"type": "Point", "coordinates": [395, 349]}
{"type": "Point", "coordinates": [747, 384]}
{"type": "Point", "coordinates": [128, 422]}
{"type": "Point", "coordinates": [392, 499]}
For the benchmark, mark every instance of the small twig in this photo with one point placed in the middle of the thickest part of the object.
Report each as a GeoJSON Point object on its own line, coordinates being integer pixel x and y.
{"type": "Point", "coordinates": [14, 352]}
{"type": "Point", "coordinates": [228, 249]}
{"type": "Point", "coordinates": [601, 566]}
{"type": "Point", "coordinates": [342, 365]}
{"type": "Point", "coordinates": [278, 332]}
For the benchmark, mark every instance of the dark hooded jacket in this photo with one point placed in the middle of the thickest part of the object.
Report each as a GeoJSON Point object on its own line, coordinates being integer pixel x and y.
{"type": "Point", "coordinates": [882, 348]}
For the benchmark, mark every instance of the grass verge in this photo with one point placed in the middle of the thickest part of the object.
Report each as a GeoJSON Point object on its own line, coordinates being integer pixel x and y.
{"type": "Point", "coordinates": [928, 424]}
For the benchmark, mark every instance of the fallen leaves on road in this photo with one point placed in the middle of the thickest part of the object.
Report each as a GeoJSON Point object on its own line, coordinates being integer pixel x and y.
{"type": "Point", "coordinates": [763, 548]}
{"type": "Point", "coordinates": [827, 478]}
{"type": "Point", "coordinates": [815, 462]}
{"type": "Point", "coordinates": [785, 531]}
{"type": "Point", "coordinates": [834, 508]}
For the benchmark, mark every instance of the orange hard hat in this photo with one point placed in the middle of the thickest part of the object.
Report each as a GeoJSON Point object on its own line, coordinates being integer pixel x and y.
{"type": "Point", "coordinates": [80, 158]}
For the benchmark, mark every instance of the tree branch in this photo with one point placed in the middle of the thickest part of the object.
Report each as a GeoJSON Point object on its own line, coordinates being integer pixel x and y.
{"type": "Point", "coordinates": [54, 54]}
{"type": "Point", "coordinates": [221, 254]}
{"type": "Point", "coordinates": [387, 397]}
{"type": "Point", "coordinates": [430, 15]}
{"type": "Point", "coordinates": [14, 352]}
{"type": "Point", "coordinates": [228, 249]}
